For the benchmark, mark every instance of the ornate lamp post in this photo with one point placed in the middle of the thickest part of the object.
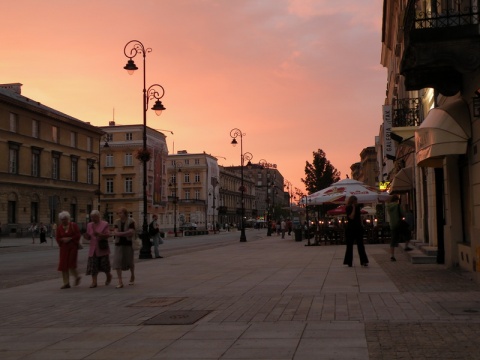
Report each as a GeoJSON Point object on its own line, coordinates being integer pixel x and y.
{"type": "Point", "coordinates": [234, 133]}
{"type": "Point", "coordinates": [176, 164]}
{"type": "Point", "coordinates": [156, 91]}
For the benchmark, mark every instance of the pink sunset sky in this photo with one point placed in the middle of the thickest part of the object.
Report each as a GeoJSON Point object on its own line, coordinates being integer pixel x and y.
{"type": "Point", "coordinates": [294, 75]}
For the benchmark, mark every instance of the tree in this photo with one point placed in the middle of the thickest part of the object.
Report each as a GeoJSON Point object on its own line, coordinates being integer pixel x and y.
{"type": "Point", "coordinates": [320, 174]}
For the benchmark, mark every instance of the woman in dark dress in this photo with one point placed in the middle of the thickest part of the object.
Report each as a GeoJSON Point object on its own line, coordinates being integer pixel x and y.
{"type": "Point", "coordinates": [354, 233]}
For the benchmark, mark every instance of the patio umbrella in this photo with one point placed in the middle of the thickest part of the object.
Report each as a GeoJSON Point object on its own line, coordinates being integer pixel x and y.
{"type": "Point", "coordinates": [341, 210]}
{"type": "Point", "coordinates": [340, 191]}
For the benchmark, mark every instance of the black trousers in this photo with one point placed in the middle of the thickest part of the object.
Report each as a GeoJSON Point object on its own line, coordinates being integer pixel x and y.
{"type": "Point", "coordinates": [352, 236]}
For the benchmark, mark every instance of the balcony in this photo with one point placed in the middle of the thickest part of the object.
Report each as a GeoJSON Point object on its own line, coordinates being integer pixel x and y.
{"type": "Point", "coordinates": [441, 43]}
{"type": "Point", "coordinates": [406, 112]}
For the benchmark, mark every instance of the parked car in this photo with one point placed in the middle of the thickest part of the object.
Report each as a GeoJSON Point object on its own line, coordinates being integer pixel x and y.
{"type": "Point", "coordinates": [188, 226]}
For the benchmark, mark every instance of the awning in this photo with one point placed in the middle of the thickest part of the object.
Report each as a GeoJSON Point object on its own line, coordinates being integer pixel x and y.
{"type": "Point", "coordinates": [403, 180]}
{"type": "Point", "coordinates": [445, 131]}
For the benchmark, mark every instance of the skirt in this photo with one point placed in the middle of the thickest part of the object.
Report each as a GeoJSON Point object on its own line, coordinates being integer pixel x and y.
{"type": "Point", "coordinates": [123, 258]}
{"type": "Point", "coordinates": [98, 264]}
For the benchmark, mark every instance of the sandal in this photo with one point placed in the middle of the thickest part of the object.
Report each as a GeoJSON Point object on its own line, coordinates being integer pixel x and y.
{"type": "Point", "coordinates": [109, 279]}
{"type": "Point", "coordinates": [132, 280]}
{"type": "Point", "coordinates": [66, 286]}
{"type": "Point", "coordinates": [119, 286]}
{"type": "Point", "coordinates": [77, 281]}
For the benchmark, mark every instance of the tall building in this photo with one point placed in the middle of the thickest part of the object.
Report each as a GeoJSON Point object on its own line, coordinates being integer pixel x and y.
{"type": "Point", "coordinates": [121, 172]}
{"type": "Point", "coordinates": [47, 163]}
{"type": "Point", "coordinates": [430, 49]}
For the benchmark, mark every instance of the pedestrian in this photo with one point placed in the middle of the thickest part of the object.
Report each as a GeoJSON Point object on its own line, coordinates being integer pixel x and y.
{"type": "Point", "coordinates": [33, 229]}
{"type": "Point", "coordinates": [154, 232]}
{"type": "Point", "coordinates": [395, 214]}
{"type": "Point", "coordinates": [289, 226]}
{"type": "Point", "coordinates": [277, 227]}
{"type": "Point", "coordinates": [98, 232]}
{"type": "Point", "coordinates": [68, 238]}
{"type": "Point", "coordinates": [124, 231]}
{"type": "Point", "coordinates": [42, 230]}
{"type": "Point", "coordinates": [53, 228]}
{"type": "Point", "coordinates": [354, 233]}
{"type": "Point", "coordinates": [283, 228]}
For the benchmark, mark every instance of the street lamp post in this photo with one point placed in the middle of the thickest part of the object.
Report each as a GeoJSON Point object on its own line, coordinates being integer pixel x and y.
{"type": "Point", "coordinates": [176, 164]}
{"type": "Point", "coordinates": [156, 91]}
{"type": "Point", "coordinates": [234, 133]}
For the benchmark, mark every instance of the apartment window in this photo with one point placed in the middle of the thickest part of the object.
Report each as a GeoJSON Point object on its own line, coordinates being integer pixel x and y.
{"type": "Point", "coordinates": [128, 185]}
{"type": "Point", "coordinates": [128, 159]}
{"type": "Point", "coordinates": [197, 161]}
{"type": "Point", "coordinates": [186, 178]}
{"type": "Point", "coordinates": [187, 194]}
{"type": "Point", "coordinates": [73, 139]}
{"type": "Point", "coordinates": [197, 194]}
{"type": "Point", "coordinates": [35, 129]}
{"type": "Point", "coordinates": [197, 178]}
{"type": "Point", "coordinates": [55, 165]}
{"type": "Point", "coordinates": [187, 162]}
{"type": "Point", "coordinates": [12, 211]}
{"type": "Point", "coordinates": [89, 143]}
{"type": "Point", "coordinates": [55, 134]}
{"type": "Point", "coordinates": [90, 169]}
{"type": "Point", "coordinates": [13, 158]}
{"type": "Point", "coordinates": [173, 180]}
{"type": "Point", "coordinates": [36, 162]}
{"type": "Point", "coordinates": [109, 160]}
{"type": "Point", "coordinates": [109, 137]}
{"type": "Point", "coordinates": [74, 168]}
{"type": "Point", "coordinates": [109, 186]}
{"type": "Point", "coordinates": [129, 136]}
{"type": "Point", "coordinates": [13, 122]}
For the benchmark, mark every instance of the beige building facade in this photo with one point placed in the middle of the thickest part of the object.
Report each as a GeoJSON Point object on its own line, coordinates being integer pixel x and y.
{"type": "Point", "coordinates": [121, 172]}
{"type": "Point", "coordinates": [430, 49]}
{"type": "Point", "coordinates": [46, 163]}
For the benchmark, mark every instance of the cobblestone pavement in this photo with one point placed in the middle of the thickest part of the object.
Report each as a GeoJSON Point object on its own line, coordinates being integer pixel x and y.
{"type": "Point", "coordinates": [265, 299]}
{"type": "Point", "coordinates": [448, 293]}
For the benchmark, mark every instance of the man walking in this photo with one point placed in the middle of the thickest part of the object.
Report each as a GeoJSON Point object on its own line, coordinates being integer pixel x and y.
{"type": "Point", "coordinates": [155, 233]}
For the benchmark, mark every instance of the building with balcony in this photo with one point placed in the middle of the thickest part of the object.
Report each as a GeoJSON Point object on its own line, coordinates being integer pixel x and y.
{"type": "Point", "coordinates": [431, 51]}
{"type": "Point", "coordinates": [121, 172]}
{"type": "Point", "coordinates": [46, 167]}
{"type": "Point", "coordinates": [193, 185]}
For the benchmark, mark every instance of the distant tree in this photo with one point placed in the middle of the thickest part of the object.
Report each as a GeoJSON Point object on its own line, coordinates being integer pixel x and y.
{"type": "Point", "coordinates": [320, 174]}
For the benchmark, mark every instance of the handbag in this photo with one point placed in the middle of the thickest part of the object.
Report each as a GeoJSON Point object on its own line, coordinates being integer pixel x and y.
{"type": "Point", "coordinates": [136, 244]}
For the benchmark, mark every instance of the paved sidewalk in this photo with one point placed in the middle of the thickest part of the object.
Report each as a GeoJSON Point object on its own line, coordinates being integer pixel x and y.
{"type": "Point", "coordinates": [269, 298]}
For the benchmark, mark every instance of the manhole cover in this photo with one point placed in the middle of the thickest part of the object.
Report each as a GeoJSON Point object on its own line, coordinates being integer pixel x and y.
{"type": "Point", "coordinates": [158, 302]}
{"type": "Point", "coordinates": [183, 317]}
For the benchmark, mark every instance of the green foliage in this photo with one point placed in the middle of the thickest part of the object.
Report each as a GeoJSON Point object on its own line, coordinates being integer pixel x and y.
{"type": "Point", "coordinates": [320, 174]}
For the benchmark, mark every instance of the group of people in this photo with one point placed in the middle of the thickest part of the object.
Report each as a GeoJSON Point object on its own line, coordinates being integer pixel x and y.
{"type": "Point", "coordinates": [98, 233]}
{"type": "Point", "coordinates": [40, 230]}
{"type": "Point", "coordinates": [354, 229]}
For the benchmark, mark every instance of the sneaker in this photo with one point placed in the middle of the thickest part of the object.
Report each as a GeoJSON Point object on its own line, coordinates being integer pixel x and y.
{"type": "Point", "coordinates": [393, 259]}
{"type": "Point", "coordinates": [408, 249]}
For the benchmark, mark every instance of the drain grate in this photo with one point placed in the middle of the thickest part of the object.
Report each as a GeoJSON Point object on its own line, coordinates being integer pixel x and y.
{"type": "Point", "coordinates": [158, 302]}
{"type": "Point", "coordinates": [181, 317]}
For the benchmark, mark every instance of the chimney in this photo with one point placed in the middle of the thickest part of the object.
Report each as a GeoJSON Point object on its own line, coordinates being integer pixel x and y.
{"type": "Point", "coordinates": [15, 87]}
{"type": "Point", "coordinates": [111, 123]}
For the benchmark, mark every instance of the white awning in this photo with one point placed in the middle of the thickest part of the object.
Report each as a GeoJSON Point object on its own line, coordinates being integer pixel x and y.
{"type": "Point", "coordinates": [403, 180]}
{"type": "Point", "coordinates": [445, 131]}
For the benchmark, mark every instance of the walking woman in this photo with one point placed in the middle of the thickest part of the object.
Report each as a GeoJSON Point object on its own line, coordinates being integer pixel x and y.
{"type": "Point", "coordinates": [98, 232]}
{"type": "Point", "coordinates": [354, 233]}
{"type": "Point", "coordinates": [68, 237]}
{"type": "Point", "coordinates": [124, 230]}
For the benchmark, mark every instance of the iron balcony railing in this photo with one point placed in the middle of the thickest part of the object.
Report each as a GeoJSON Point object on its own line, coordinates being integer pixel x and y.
{"type": "Point", "coordinates": [431, 14]}
{"type": "Point", "coordinates": [407, 112]}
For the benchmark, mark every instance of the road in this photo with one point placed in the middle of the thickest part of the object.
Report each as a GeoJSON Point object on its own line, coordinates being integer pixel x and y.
{"type": "Point", "coordinates": [22, 262]}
